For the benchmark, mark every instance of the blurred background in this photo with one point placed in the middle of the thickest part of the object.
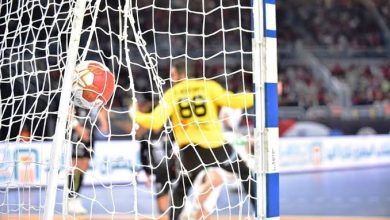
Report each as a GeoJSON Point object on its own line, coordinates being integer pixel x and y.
{"type": "Point", "coordinates": [333, 59]}
{"type": "Point", "coordinates": [334, 65]}
{"type": "Point", "coordinates": [333, 70]}
{"type": "Point", "coordinates": [334, 107]}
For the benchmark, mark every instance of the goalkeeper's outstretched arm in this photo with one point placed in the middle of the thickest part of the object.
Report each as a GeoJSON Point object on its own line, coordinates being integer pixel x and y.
{"type": "Point", "coordinates": [226, 98]}
{"type": "Point", "coordinates": [236, 100]}
{"type": "Point", "coordinates": [154, 120]}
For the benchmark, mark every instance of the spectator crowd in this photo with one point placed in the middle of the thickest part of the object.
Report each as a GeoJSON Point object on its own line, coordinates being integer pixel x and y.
{"type": "Point", "coordinates": [349, 38]}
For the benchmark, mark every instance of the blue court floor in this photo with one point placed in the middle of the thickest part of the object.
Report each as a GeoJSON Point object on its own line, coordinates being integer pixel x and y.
{"type": "Point", "coordinates": [355, 192]}
{"type": "Point", "coordinates": [358, 192]}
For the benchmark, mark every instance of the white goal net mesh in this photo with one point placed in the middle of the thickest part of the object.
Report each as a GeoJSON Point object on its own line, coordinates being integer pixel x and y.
{"type": "Point", "coordinates": [133, 172]}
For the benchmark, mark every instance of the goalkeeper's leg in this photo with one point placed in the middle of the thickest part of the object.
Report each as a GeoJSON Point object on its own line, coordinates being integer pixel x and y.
{"type": "Point", "coordinates": [192, 165]}
{"type": "Point", "coordinates": [179, 192]}
{"type": "Point", "coordinates": [164, 173]}
{"type": "Point", "coordinates": [208, 192]}
{"type": "Point", "coordinates": [238, 166]}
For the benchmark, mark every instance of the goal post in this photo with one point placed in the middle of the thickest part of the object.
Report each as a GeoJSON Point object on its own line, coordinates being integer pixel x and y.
{"type": "Point", "coordinates": [63, 111]}
{"type": "Point", "coordinates": [266, 90]}
{"type": "Point", "coordinates": [230, 42]}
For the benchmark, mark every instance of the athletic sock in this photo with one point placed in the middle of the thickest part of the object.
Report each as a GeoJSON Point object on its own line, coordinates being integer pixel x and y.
{"type": "Point", "coordinates": [75, 180]}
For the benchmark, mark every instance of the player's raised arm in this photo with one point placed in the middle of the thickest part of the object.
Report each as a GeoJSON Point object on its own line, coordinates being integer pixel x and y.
{"type": "Point", "coordinates": [155, 119]}
{"type": "Point", "coordinates": [223, 97]}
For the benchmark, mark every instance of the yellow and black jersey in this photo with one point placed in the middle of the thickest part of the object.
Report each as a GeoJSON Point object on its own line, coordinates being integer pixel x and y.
{"type": "Point", "coordinates": [192, 105]}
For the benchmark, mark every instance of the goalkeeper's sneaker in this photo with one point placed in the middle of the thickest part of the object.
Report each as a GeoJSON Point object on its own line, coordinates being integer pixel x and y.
{"type": "Point", "coordinates": [75, 207]}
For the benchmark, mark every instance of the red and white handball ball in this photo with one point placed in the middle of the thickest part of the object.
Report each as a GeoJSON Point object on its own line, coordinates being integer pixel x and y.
{"type": "Point", "coordinates": [93, 85]}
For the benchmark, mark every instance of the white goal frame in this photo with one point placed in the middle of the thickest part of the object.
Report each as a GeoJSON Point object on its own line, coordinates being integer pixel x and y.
{"type": "Point", "coordinates": [264, 52]}
{"type": "Point", "coordinates": [264, 49]}
{"type": "Point", "coordinates": [62, 118]}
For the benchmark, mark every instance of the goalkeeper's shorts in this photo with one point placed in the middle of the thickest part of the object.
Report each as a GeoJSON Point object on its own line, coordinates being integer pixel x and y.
{"type": "Point", "coordinates": [165, 174]}
{"type": "Point", "coordinates": [196, 158]}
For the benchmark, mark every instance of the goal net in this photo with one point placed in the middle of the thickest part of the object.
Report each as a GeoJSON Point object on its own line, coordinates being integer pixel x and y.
{"type": "Point", "coordinates": [126, 170]}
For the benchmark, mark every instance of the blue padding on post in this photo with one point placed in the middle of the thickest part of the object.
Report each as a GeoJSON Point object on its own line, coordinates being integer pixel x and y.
{"type": "Point", "coordinates": [270, 1]}
{"type": "Point", "coordinates": [271, 105]}
{"type": "Point", "coordinates": [270, 33]}
{"type": "Point", "coordinates": [272, 191]}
